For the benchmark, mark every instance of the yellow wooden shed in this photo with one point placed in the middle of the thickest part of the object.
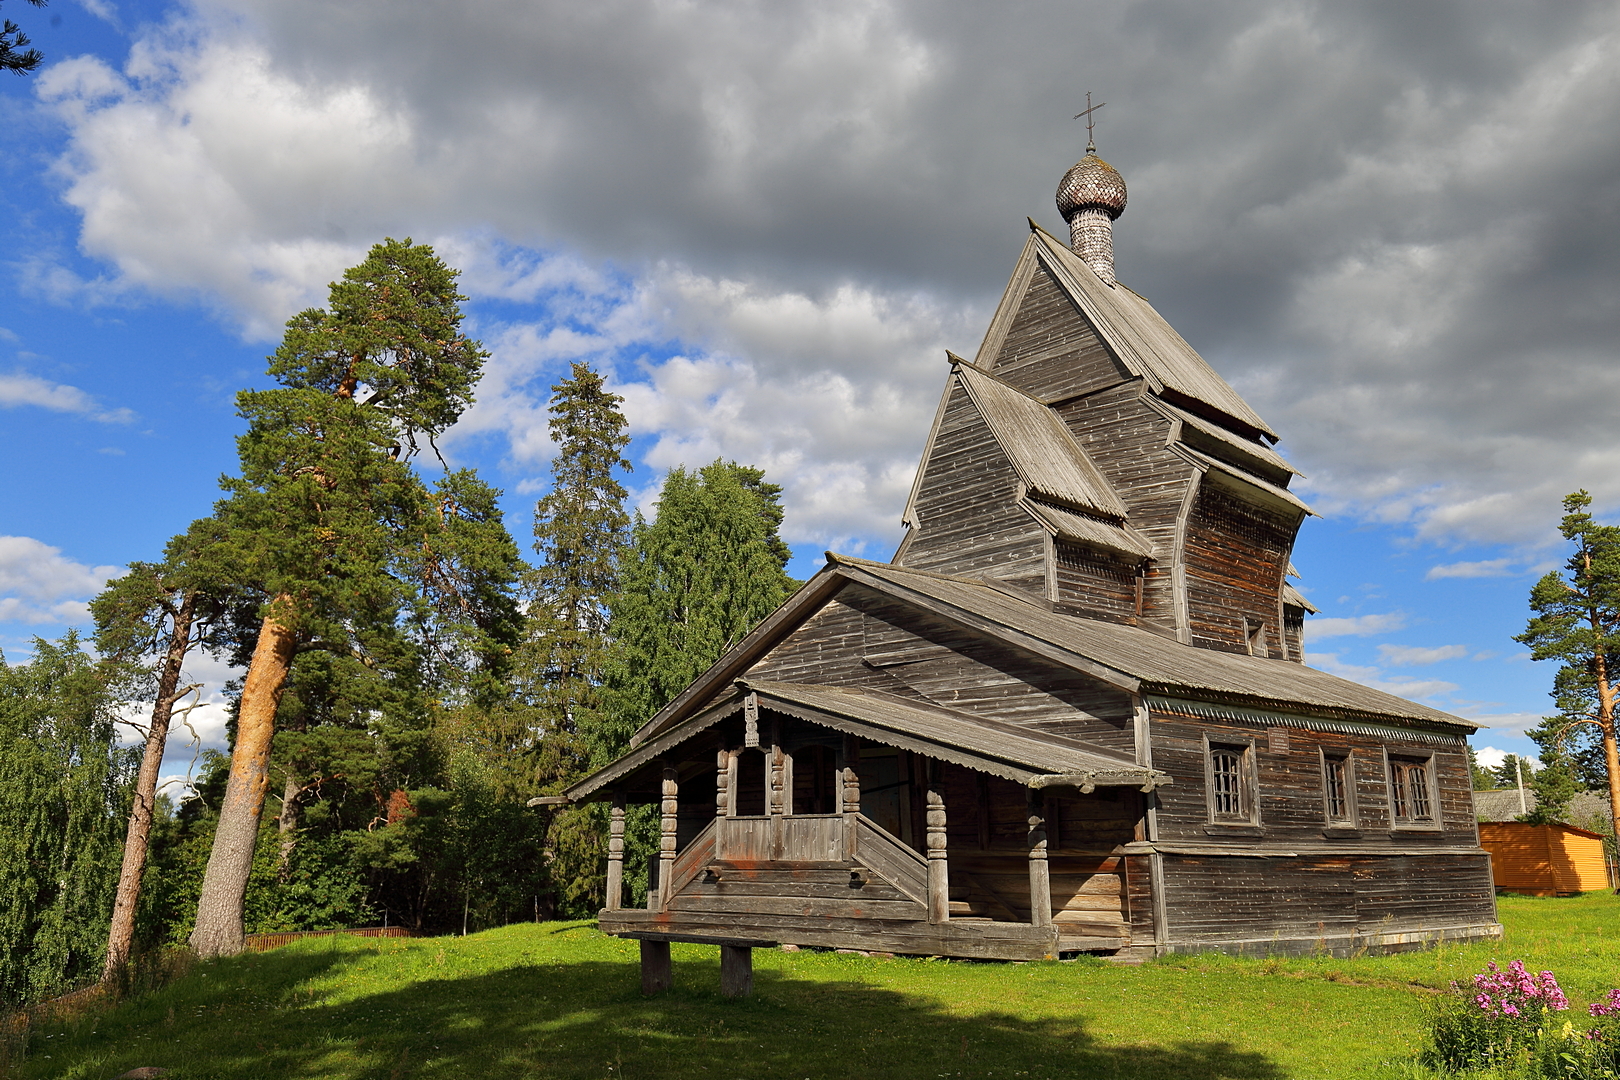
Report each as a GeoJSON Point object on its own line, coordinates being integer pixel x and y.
{"type": "Point", "coordinates": [1544, 860]}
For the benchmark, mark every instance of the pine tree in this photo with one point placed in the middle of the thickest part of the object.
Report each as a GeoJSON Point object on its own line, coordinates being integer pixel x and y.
{"type": "Point", "coordinates": [1577, 623]}
{"type": "Point", "coordinates": [327, 521]}
{"type": "Point", "coordinates": [1484, 779]}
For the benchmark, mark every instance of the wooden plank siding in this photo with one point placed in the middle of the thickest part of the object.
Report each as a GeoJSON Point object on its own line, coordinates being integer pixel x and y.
{"type": "Point", "coordinates": [1305, 903]}
{"type": "Point", "coordinates": [864, 638]}
{"type": "Point", "coordinates": [968, 518]}
{"type": "Point", "coordinates": [1544, 860]}
{"type": "Point", "coordinates": [1051, 350]}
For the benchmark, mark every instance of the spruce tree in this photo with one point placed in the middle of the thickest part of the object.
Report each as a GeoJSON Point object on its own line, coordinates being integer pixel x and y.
{"type": "Point", "coordinates": [1577, 623]}
{"type": "Point", "coordinates": [697, 578]}
{"type": "Point", "coordinates": [328, 522]}
{"type": "Point", "coordinates": [580, 531]}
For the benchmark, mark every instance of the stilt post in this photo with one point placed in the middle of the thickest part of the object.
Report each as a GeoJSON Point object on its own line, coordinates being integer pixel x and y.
{"type": "Point", "coordinates": [736, 970]}
{"type": "Point", "coordinates": [657, 973]}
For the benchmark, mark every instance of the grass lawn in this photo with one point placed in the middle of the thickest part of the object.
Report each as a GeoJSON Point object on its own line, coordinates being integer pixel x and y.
{"type": "Point", "coordinates": [561, 1000]}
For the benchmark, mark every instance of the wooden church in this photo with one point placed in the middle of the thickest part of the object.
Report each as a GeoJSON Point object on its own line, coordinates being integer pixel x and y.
{"type": "Point", "coordinates": [1071, 714]}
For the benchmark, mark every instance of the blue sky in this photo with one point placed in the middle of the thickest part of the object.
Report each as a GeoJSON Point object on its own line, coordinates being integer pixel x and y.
{"type": "Point", "coordinates": [1392, 230]}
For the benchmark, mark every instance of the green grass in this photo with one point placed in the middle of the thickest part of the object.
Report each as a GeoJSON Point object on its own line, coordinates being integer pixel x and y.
{"type": "Point", "coordinates": [560, 1000]}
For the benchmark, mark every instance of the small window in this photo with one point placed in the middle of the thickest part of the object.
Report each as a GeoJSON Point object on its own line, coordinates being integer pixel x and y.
{"type": "Point", "coordinates": [1231, 784]}
{"type": "Point", "coordinates": [1337, 784]}
{"type": "Point", "coordinates": [1411, 794]}
{"type": "Point", "coordinates": [1254, 635]}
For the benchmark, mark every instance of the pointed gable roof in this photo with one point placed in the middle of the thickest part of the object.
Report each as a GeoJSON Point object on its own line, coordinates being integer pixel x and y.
{"type": "Point", "coordinates": [1046, 456]}
{"type": "Point", "coordinates": [1134, 333]}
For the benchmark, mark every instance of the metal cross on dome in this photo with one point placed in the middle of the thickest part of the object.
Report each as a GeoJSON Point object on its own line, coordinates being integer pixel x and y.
{"type": "Point", "coordinates": [1090, 108]}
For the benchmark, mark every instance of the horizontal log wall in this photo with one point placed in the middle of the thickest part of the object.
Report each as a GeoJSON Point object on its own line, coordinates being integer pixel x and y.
{"type": "Point", "coordinates": [968, 518]}
{"type": "Point", "coordinates": [1236, 555]}
{"type": "Point", "coordinates": [1290, 785]}
{"type": "Point", "coordinates": [1127, 441]}
{"type": "Point", "coordinates": [1230, 900]}
{"type": "Point", "coordinates": [864, 638]}
{"type": "Point", "coordinates": [1100, 584]}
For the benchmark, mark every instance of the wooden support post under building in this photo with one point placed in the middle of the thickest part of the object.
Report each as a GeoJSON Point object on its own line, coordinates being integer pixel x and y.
{"type": "Point", "coordinates": [668, 809]}
{"type": "Point", "coordinates": [615, 869]}
{"type": "Point", "coordinates": [736, 970]}
{"type": "Point", "coordinates": [657, 973]}
{"type": "Point", "coordinates": [939, 882]}
{"type": "Point", "coordinates": [1040, 881]}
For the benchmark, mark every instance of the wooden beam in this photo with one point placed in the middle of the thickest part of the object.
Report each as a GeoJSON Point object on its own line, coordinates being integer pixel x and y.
{"type": "Point", "coordinates": [669, 808]}
{"type": "Point", "coordinates": [615, 867]}
{"type": "Point", "coordinates": [736, 970]}
{"type": "Point", "coordinates": [939, 883]}
{"type": "Point", "coordinates": [657, 973]}
{"type": "Point", "coordinates": [1040, 882]}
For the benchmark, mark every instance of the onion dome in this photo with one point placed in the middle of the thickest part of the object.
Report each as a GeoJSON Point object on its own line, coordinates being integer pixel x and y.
{"type": "Point", "coordinates": [1092, 183]}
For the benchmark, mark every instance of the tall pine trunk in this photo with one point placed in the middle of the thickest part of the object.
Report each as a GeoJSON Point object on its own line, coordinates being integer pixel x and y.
{"type": "Point", "coordinates": [121, 935]}
{"type": "Point", "coordinates": [219, 908]}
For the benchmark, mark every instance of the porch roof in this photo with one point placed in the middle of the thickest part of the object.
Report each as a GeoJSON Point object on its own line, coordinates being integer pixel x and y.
{"type": "Point", "coordinates": [973, 742]}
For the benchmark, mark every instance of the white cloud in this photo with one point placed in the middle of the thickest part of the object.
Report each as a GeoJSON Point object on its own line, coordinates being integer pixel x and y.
{"type": "Point", "coordinates": [1418, 655]}
{"type": "Point", "coordinates": [1318, 629]}
{"type": "Point", "coordinates": [1485, 568]}
{"type": "Point", "coordinates": [1400, 685]}
{"type": "Point", "coordinates": [23, 389]}
{"type": "Point", "coordinates": [40, 586]}
{"type": "Point", "coordinates": [1409, 231]}
{"type": "Point", "coordinates": [1489, 757]}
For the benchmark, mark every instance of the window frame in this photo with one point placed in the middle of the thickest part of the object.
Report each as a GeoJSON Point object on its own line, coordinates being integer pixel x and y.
{"type": "Point", "coordinates": [1400, 756]}
{"type": "Point", "coordinates": [1350, 819]}
{"type": "Point", "coordinates": [1248, 816]}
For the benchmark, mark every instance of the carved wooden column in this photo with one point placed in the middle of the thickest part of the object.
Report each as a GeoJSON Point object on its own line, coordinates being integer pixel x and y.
{"type": "Point", "coordinates": [849, 790]}
{"type": "Point", "coordinates": [939, 883]}
{"type": "Point", "coordinates": [722, 783]}
{"type": "Point", "coordinates": [615, 871]}
{"type": "Point", "coordinates": [849, 777]}
{"type": "Point", "coordinates": [1040, 882]}
{"type": "Point", "coordinates": [666, 834]}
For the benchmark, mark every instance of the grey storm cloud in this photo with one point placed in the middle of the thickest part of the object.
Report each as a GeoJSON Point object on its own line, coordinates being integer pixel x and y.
{"type": "Point", "coordinates": [1392, 225]}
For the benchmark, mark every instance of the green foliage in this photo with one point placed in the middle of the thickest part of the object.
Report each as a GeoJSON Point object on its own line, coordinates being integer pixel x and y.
{"type": "Point", "coordinates": [1576, 622]}
{"type": "Point", "coordinates": [1512, 769]}
{"type": "Point", "coordinates": [1554, 785]}
{"type": "Point", "coordinates": [15, 55]}
{"type": "Point", "coordinates": [697, 578]}
{"type": "Point", "coordinates": [63, 797]}
{"type": "Point", "coordinates": [1484, 779]}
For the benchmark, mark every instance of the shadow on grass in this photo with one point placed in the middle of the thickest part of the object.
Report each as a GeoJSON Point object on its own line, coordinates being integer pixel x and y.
{"type": "Point", "coordinates": [260, 1017]}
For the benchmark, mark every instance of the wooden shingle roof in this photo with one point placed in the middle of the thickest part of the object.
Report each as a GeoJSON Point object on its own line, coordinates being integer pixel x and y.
{"type": "Point", "coordinates": [1046, 456]}
{"type": "Point", "coordinates": [1140, 337]}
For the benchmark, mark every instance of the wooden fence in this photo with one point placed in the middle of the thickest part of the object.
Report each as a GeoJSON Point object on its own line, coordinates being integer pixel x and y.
{"type": "Point", "coordinates": [261, 942]}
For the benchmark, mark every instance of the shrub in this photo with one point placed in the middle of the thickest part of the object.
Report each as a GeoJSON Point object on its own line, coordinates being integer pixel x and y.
{"type": "Point", "coordinates": [1507, 1021]}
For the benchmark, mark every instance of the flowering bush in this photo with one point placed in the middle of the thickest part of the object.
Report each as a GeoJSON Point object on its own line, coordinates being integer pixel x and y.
{"type": "Point", "coordinates": [1507, 1021]}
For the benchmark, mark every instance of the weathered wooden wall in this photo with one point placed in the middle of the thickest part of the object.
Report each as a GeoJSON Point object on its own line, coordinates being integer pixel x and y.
{"type": "Point", "coordinates": [968, 518]}
{"type": "Point", "coordinates": [863, 638]}
{"type": "Point", "coordinates": [1236, 555]}
{"type": "Point", "coordinates": [1051, 350]}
